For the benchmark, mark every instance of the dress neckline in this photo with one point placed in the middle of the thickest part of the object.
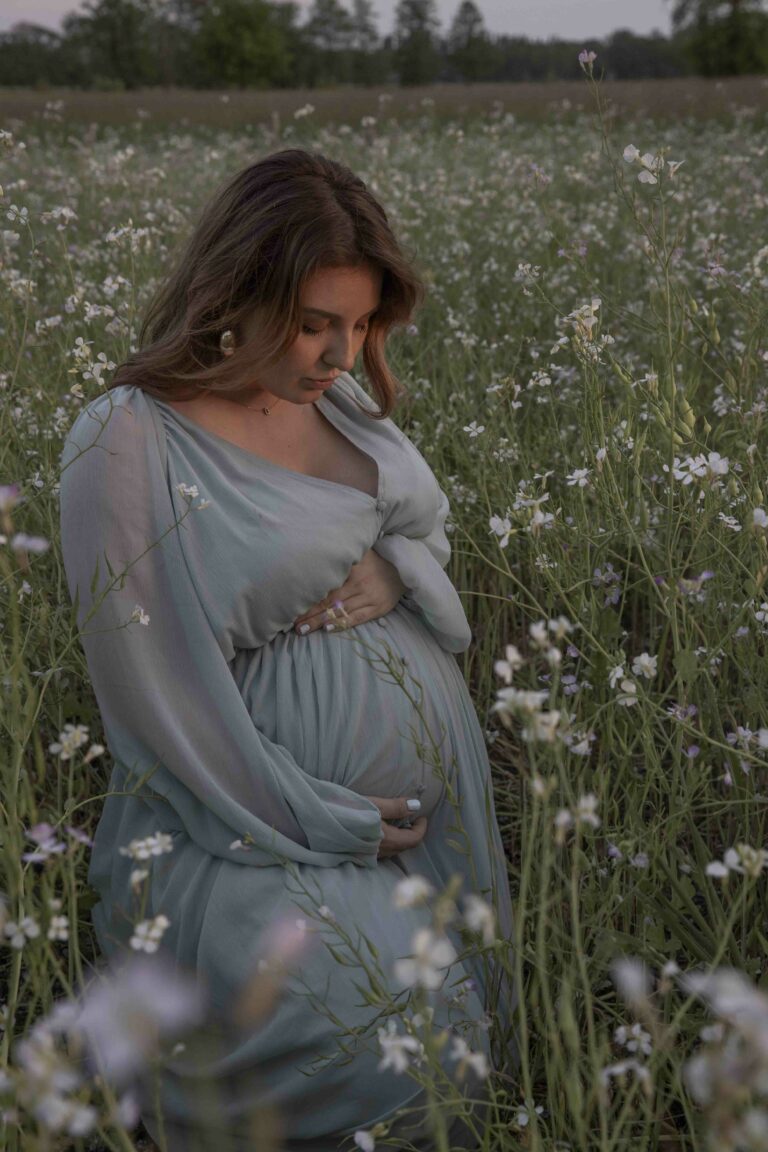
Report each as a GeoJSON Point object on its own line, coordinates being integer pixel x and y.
{"type": "Point", "coordinates": [325, 410]}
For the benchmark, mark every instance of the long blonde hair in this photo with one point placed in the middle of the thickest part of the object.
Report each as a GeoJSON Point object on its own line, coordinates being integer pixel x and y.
{"type": "Point", "coordinates": [257, 242]}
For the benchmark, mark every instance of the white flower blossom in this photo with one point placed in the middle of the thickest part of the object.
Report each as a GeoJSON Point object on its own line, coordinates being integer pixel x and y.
{"type": "Point", "coordinates": [477, 1061]}
{"type": "Point", "coordinates": [70, 739]}
{"type": "Point", "coordinates": [628, 695]}
{"type": "Point", "coordinates": [397, 1048]}
{"type": "Point", "coordinates": [154, 845]}
{"type": "Point", "coordinates": [411, 890]}
{"type": "Point", "coordinates": [579, 476]}
{"type": "Point", "coordinates": [502, 527]}
{"type": "Point", "coordinates": [148, 933]}
{"type": "Point", "coordinates": [742, 859]}
{"type": "Point", "coordinates": [511, 663]}
{"type": "Point", "coordinates": [18, 933]}
{"type": "Point", "coordinates": [431, 954]}
{"type": "Point", "coordinates": [645, 665]}
{"type": "Point", "coordinates": [480, 917]}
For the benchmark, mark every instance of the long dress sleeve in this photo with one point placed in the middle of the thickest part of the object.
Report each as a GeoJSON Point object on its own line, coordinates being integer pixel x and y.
{"type": "Point", "coordinates": [421, 562]}
{"type": "Point", "coordinates": [413, 536]}
{"type": "Point", "coordinates": [171, 709]}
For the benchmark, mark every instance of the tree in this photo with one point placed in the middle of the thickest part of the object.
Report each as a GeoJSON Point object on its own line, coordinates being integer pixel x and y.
{"type": "Point", "coordinates": [329, 34]}
{"type": "Point", "coordinates": [416, 55]}
{"type": "Point", "coordinates": [115, 40]}
{"type": "Point", "coordinates": [240, 44]}
{"type": "Point", "coordinates": [468, 43]}
{"type": "Point", "coordinates": [367, 63]}
{"type": "Point", "coordinates": [329, 27]}
{"type": "Point", "coordinates": [723, 37]}
{"type": "Point", "coordinates": [30, 54]}
{"type": "Point", "coordinates": [631, 57]}
{"type": "Point", "coordinates": [365, 35]}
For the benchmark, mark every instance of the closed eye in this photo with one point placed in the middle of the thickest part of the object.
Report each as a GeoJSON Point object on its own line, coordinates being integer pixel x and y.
{"type": "Point", "coordinates": [317, 331]}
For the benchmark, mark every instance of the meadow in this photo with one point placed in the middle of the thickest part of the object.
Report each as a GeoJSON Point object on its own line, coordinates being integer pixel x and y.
{"type": "Point", "coordinates": [589, 381]}
{"type": "Point", "coordinates": [682, 98]}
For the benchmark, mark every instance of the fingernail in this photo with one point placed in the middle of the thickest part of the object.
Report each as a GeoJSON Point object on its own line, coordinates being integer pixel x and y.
{"type": "Point", "coordinates": [413, 805]}
{"type": "Point", "coordinates": [304, 628]}
{"type": "Point", "coordinates": [329, 627]}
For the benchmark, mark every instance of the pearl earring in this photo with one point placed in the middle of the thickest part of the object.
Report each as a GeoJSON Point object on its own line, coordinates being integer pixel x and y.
{"type": "Point", "coordinates": [227, 342]}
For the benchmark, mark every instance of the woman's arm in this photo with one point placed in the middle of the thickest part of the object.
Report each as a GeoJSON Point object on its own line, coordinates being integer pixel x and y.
{"type": "Point", "coordinates": [168, 700]}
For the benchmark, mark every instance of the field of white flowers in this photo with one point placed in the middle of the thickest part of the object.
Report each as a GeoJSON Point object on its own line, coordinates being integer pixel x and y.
{"type": "Point", "coordinates": [589, 381]}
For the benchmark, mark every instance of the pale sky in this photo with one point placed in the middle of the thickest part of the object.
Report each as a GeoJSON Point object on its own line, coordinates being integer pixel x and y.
{"type": "Point", "coordinates": [537, 19]}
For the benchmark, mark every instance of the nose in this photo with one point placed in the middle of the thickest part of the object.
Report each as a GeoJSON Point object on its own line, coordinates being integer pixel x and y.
{"type": "Point", "coordinates": [341, 352]}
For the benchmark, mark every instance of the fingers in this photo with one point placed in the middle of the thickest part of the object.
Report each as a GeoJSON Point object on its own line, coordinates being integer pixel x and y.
{"type": "Point", "coordinates": [331, 610]}
{"type": "Point", "coordinates": [341, 613]}
{"type": "Point", "coordinates": [396, 807]}
{"type": "Point", "coordinates": [397, 840]}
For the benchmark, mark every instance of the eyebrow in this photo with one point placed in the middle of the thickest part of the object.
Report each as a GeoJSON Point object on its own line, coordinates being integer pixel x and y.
{"type": "Point", "coordinates": [332, 315]}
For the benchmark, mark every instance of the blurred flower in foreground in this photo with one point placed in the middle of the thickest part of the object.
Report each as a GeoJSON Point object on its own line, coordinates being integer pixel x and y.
{"type": "Point", "coordinates": [124, 1014]}
{"type": "Point", "coordinates": [744, 859]}
{"type": "Point", "coordinates": [431, 953]}
{"type": "Point", "coordinates": [632, 978]}
{"type": "Point", "coordinates": [285, 942]}
{"type": "Point", "coordinates": [397, 1049]}
{"type": "Point", "coordinates": [728, 1075]}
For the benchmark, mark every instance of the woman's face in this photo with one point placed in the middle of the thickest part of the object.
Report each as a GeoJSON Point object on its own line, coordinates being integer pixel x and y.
{"type": "Point", "coordinates": [327, 344]}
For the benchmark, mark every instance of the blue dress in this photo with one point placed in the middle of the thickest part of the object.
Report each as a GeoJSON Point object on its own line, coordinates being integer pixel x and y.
{"type": "Point", "coordinates": [253, 748]}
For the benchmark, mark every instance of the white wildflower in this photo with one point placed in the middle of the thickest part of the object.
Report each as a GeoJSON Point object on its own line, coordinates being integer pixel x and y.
{"type": "Point", "coordinates": [511, 663]}
{"type": "Point", "coordinates": [538, 633]}
{"type": "Point", "coordinates": [148, 933]}
{"type": "Point", "coordinates": [431, 953]}
{"type": "Point", "coordinates": [628, 695]}
{"type": "Point", "coordinates": [480, 917]}
{"type": "Point", "coordinates": [397, 1049]}
{"type": "Point", "coordinates": [579, 476]}
{"type": "Point", "coordinates": [410, 891]}
{"type": "Point", "coordinates": [18, 933]}
{"type": "Point", "coordinates": [70, 739]}
{"type": "Point", "coordinates": [560, 627]}
{"type": "Point", "coordinates": [477, 1061]}
{"type": "Point", "coordinates": [502, 527]}
{"type": "Point", "coordinates": [542, 727]}
{"type": "Point", "coordinates": [645, 665]}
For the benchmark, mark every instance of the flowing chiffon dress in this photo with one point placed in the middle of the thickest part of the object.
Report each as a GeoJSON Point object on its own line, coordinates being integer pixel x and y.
{"type": "Point", "coordinates": [253, 748]}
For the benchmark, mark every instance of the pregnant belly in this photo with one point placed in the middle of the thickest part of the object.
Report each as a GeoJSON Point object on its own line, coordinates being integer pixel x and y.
{"type": "Point", "coordinates": [369, 708]}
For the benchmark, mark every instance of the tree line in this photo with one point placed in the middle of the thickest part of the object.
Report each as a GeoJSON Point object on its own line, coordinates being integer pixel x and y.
{"type": "Point", "coordinates": [127, 44]}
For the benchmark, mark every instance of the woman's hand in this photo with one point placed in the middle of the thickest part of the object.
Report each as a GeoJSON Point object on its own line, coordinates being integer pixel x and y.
{"type": "Point", "coordinates": [397, 839]}
{"type": "Point", "coordinates": [372, 589]}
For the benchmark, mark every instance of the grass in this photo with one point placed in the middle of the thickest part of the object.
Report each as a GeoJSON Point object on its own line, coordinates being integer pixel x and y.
{"type": "Point", "coordinates": [686, 98]}
{"type": "Point", "coordinates": [588, 382]}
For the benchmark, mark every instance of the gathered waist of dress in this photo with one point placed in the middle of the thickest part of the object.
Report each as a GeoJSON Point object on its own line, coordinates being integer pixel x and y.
{"type": "Point", "coordinates": [365, 707]}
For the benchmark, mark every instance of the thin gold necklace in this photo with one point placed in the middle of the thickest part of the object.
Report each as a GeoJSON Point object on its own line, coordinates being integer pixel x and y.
{"type": "Point", "coordinates": [264, 409]}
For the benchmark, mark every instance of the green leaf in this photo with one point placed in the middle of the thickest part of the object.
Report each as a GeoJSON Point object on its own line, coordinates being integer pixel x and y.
{"type": "Point", "coordinates": [95, 577]}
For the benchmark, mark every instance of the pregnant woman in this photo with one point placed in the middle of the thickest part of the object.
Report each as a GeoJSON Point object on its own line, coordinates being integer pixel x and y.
{"type": "Point", "coordinates": [259, 559]}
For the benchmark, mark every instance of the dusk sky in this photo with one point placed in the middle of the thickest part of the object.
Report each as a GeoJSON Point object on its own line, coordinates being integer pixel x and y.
{"type": "Point", "coordinates": [538, 19]}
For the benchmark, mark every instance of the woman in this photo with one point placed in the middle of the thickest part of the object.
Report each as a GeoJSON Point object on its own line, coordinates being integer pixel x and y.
{"type": "Point", "coordinates": [260, 556]}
